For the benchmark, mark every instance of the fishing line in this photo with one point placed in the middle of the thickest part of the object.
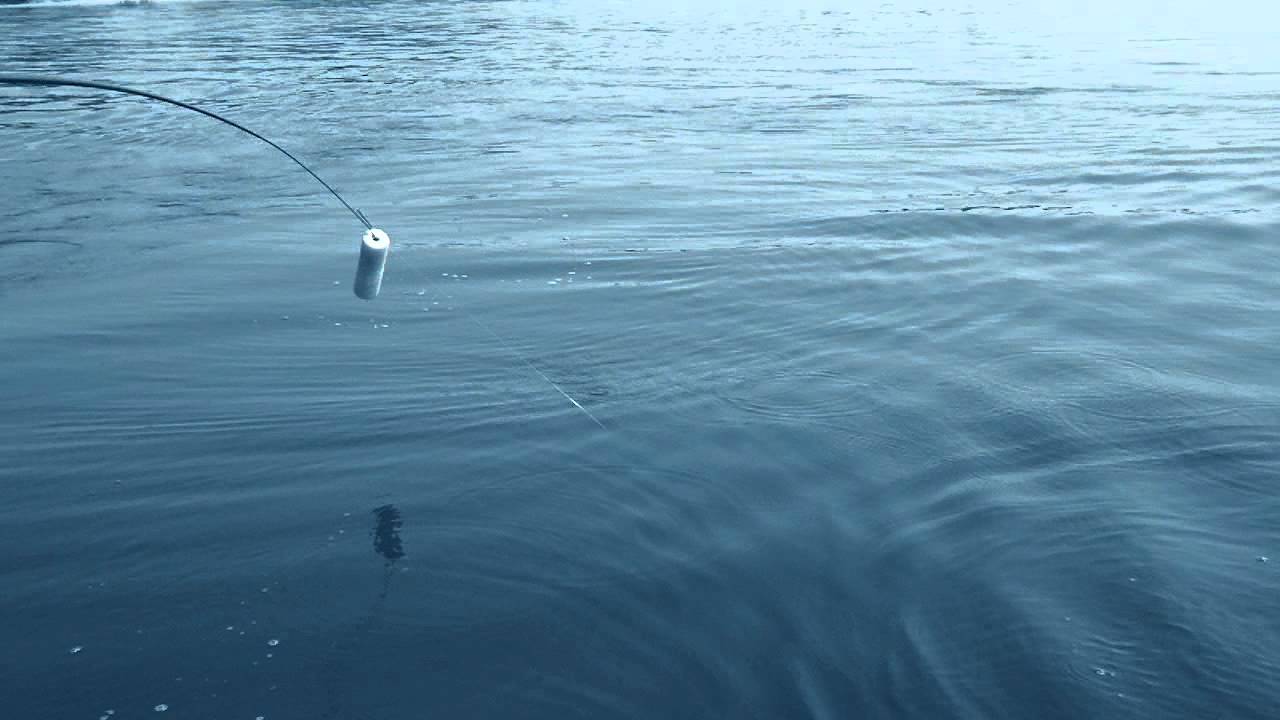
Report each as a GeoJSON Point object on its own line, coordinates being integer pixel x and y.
{"type": "Point", "coordinates": [511, 350]}
{"type": "Point", "coordinates": [373, 247]}
{"type": "Point", "coordinates": [507, 346]}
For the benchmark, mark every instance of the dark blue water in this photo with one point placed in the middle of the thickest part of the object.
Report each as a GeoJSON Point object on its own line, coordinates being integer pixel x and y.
{"type": "Point", "coordinates": [936, 347]}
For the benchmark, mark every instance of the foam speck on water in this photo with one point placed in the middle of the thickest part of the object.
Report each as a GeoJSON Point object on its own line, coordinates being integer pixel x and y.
{"type": "Point", "coordinates": [273, 642]}
{"type": "Point", "coordinates": [161, 707]}
{"type": "Point", "coordinates": [76, 649]}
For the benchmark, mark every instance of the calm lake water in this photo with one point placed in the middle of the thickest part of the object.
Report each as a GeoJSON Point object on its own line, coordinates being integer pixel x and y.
{"type": "Point", "coordinates": [935, 345]}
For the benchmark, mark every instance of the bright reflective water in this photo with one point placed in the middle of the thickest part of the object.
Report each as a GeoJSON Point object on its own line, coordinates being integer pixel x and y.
{"type": "Point", "coordinates": [936, 346]}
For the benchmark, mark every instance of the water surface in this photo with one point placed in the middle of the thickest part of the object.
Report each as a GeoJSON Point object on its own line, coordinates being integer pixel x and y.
{"type": "Point", "coordinates": [935, 345]}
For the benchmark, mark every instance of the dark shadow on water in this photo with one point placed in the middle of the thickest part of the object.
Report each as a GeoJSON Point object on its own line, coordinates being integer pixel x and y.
{"type": "Point", "coordinates": [33, 241]}
{"type": "Point", "coordinates": [342, 671]}
{"type": "Point", "coordinates": [386, 533]}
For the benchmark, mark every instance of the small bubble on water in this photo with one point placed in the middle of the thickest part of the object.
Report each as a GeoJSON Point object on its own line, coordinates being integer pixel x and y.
{"type": "Point", "coordinates": [422, 292]}
{"type": "Point", "coordinates": [337, 282]}
{"type": "Point", "coordinates": [231, 627]}
{"type": "Point", "coordinates": [273, 642]}
{"type": "Point", "coordinates": [263, 590]}
{"type": "Point", "coordinates": [269, 655]}
{"type": "Point", "coordinates": [161, 707]}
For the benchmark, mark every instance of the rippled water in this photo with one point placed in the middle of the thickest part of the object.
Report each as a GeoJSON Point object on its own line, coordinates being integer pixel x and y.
{"type": "Point", "coordinates": [935, 344]}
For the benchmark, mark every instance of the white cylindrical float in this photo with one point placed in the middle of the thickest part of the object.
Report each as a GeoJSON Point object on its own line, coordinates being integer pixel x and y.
{"type": "Point", "coordinates": [373, 260]}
